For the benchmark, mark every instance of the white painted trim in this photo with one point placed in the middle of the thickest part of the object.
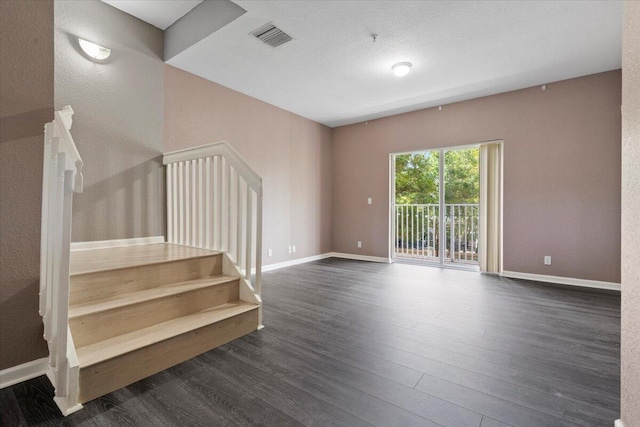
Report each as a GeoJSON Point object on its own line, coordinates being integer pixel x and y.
{"type": "Point", "coordinates": [221, 148]}
{"type": "Point", "coordinates": [563, 280]}
{"type": "Point", "coordinates": [24, 372]}
{"type": "Point", "coordinates": [103, 244]}
{"type": "Point", "coordinates": [65, 408]}
{"type": "Point", "coordinates": [449, 148]}
{"type": "Point", "coordinates": [359, 257]}
{"type": "Point", "coordinates": [618, 423]}
{"type": "Point", "coordinates": [392, 206]}
{"type": "Point", "coordinates": [279, 265]}
{"type": "Point", "coordinates": [293, 262]}
{"type": "Point", "coordinates": [436, 264]}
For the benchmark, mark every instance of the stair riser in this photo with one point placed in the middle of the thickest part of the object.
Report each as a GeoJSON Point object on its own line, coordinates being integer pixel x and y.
{"type": "Point", "coordinates": [105, 377]}
{"type": "Point", "coordinates": [104, 284]}
{"type": "Point", "coordinates": [95, 327]}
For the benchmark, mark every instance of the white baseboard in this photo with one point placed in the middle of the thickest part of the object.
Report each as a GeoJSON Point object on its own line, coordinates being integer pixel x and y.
{"type": "Point", "coordinates": [103, 244]}
{"type": "Point", "coordinates": [359, 257]}
{"type": "Point", "coordinates": [276, 266]}
{"type": "Point", "coordinates": [24, 372]}
{"type": "Point", "coordinates": [64, 407]}
{"type": "Point", "coordinates": [618, 423]}
{"type": "Point", "coordinates": [563, 280]}
{"type": "Point", "coordinates": [284, 264]}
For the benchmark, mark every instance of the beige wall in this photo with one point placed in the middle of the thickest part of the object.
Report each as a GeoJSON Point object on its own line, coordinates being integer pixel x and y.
{"type": "Point", "coordinates": [631, 215]}
{"type": "Point", "coordinates": [291, 153]}
{"type": "Point", "coordinates": [561, 173]}
{"type": "Point", "coordinates": [117, 124]}
{"type": "Point", "coordinates": [26, 104]}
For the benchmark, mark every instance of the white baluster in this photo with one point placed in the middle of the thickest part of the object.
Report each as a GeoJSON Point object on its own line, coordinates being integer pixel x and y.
{"type": "Point", "coordinates": [187, 203]}
{"type": "Point", "coordinates": [62, 296]}
{"type": "Point", "coordinates": [259, 242]}
{"type": "Point", "coordinates": [230, 208]}
{"type": "Point", "coordinates": [57, 287]}
{"type": "Point", "coordinates": [239, 221]}
{"type": "Point", "coordinates": [248, 225]}
{"type": "Point", "coordinates": [216, 200]}
{"type": "Point", "coordinates": [194, 194]}
{"type": "Point", "coordinates": [44, 223]}
{"type": "Point", "coordinates": [201, 207]}
{"type": "Point", "coordinates": [170, 192]}
{"type": "Point", "coordinates": [181, 207]}
{"type": "Point", "coordinates": [208, 219]}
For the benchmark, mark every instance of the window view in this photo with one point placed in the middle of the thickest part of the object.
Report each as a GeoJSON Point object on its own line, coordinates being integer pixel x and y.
{"type": "Point", "coordinates": [421, 217]}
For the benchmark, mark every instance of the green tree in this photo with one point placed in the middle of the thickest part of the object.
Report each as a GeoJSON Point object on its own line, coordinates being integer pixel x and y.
{"type": "Point", "coordinates": [418, 178]}
{"type": "Point", "coordinates": [461, 171]}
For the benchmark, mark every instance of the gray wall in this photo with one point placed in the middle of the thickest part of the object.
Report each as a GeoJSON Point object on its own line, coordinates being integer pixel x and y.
{"type": "Point", "coordinates": [118, 121]}
{"type": "Point", "coordinates": [631, 215]}
{"type": "Point", "coordinates": [26, 104]}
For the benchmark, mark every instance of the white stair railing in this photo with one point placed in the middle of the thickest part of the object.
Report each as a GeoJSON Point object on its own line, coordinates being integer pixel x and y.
{"type": "Point", "coordinates": [62, 176]}
{"type": "Point", "coordinates": [214, 201]}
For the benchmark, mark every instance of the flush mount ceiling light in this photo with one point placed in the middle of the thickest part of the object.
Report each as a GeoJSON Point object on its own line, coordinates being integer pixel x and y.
{"type": "Point", "coordinates": [93, 50]}
{"type": "Point", "coordinates": [401, 69]}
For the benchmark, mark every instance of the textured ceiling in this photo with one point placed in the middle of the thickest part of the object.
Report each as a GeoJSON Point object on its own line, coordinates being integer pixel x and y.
{"type": "Point", "coordinates": [160, 13]}
{"type": "Point", "coordinates": [334, 73]}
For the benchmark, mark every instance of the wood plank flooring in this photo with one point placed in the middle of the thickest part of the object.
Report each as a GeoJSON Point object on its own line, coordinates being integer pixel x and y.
{"type": "Point", "coordinates": [128, 256]}
{"type": "Point", "coordinates": [351, 343]}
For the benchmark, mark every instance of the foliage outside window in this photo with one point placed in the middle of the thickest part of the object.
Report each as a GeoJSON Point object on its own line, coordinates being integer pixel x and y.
{"type": "Point", "coordinates": [418, 178]}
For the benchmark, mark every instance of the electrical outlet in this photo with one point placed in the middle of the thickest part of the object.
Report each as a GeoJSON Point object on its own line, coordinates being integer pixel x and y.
{"type": "Point", "coordinates": [359, 244]}
{"type": "Point", "coordinates": [547, 260]}
{"type": "Point", "coordinates": [369, 200]}
{"type": "Point", "coordinates": [289, 249]}
{"type": "Point", "coordinates": [269, 252]}
{"type": "Point", "coordinates": [294, 249]}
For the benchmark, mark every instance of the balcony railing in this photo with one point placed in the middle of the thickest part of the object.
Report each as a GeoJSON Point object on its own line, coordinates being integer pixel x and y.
{"type": "Point", "coordinates": [417, 232]}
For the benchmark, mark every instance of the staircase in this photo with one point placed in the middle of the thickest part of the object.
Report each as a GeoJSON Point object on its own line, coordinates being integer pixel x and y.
{"type": "Point", "coordinates": [135, 311]}
{"type": "Point", "coordinates": [115, 315]}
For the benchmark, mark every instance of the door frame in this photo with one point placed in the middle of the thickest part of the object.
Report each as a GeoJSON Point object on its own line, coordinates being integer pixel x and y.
{"type": "Point", "coordinates": [442, 242]}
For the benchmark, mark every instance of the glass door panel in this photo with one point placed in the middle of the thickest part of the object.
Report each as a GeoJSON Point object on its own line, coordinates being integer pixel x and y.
{"type": "Point", "coordinates": [431, 222]}
{"type": "Point", "coordinates": [462, 191]}
{"type": "Point", "coordinates": [417, 206]}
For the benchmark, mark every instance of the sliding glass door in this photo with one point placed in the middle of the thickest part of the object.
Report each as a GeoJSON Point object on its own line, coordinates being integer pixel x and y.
{"type": "Point", "coordinates": [435, 206]}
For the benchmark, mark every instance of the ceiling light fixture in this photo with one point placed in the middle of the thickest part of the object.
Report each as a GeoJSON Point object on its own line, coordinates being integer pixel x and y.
{"type": "Point", "coordinates": [401, 69]}
{"type": "Point", "coordinates": [93, 50]}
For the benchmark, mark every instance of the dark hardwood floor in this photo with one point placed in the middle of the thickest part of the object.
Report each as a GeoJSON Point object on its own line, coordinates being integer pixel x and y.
{"type": "Point", "coordinates": [353, 343]}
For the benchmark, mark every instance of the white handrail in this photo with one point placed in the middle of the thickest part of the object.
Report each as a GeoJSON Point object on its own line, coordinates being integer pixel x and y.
{"type": "Point", "coordinates": [214, 201]}
{"type": "Point", "coordinates": [221, 148]}
{"type": "Point", "coordinates": [62, 176]}
{"type": "Point", "coordinates": [65, 118]}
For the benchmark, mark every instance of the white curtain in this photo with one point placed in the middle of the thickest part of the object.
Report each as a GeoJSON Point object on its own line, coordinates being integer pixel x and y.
{"type": "Point", "coordinates": [490, 238]}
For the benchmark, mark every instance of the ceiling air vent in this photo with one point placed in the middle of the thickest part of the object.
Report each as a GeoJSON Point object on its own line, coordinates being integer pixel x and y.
{"type": "Point", "coordinates": [271, 35]}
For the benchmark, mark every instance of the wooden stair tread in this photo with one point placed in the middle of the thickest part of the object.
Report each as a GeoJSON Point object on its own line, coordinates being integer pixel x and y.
{"type": "Point", "coordinates": [149, 294]}
{"type": "Point", "coordinates": [122, 344]}
{"type": "Point", "coordinates": [96, 260]}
